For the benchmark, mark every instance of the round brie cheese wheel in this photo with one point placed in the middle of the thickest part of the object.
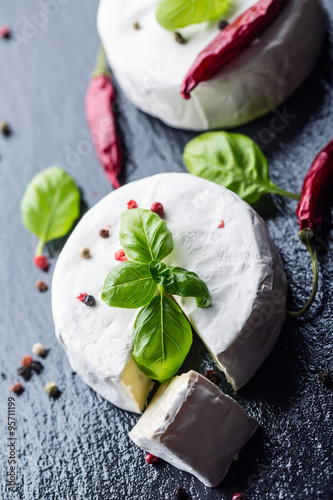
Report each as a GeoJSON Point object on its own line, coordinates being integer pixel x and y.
{"type": "Point", "coordinates": [150, 65]}
{"type": "Point", "coordinates": [239, 263]}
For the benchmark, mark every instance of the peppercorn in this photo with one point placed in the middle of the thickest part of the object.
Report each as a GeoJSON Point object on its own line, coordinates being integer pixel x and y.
{"type": "Point", "coordinates": [212, 375]}
{"type": "Point", "coordinates": [36, 366]}
{"type": "Point", "coordinates": [5, 129]}
{"type": "Point", "coordinates": [84, 253]}
{"type": "Point", "coordinates": [120, 255]}
{"type": "Point", "coordinates": [238, 496]}
{"type": "Point", "coordinates": [17, 388]}
{"type": "Point", "coordinates": [179, 38]}
{"type": "Point", "coordinates": [4, 32]}
{"type": "Point", "coordinates": [132, 204]}
{"type": "Point", "coordinates": [41, 286]}
{"type": "Point", "coordinates": [136, 25]}
{"type": "Point", "coordinates": [38, 349]}
{"type": "Point", "coordinates": [180, 493]}
{"type": "Point", "coordinates": [325, 378]}
{"type": "Point", "coordinates": [26, 360]}
{"type": "Point", "coordinates": [25, 372]}
{"type": "Point", "coordinates": [157, 208]}
{"type": "Point", "coordinates": [81, 297]}
{"type": "Point", "coordinates": [42, 262]}
{"type": "Point", "coordinates": [51, 389]}
{"type": "Point", "coordinates": [151, 459]}
{"type": "Point", "coordinates": [221, 225]}
{"type": "Point", "coordinates": [223, 24]}
{"type": "Point", "coordinates": [3, 376]}
{"type": "Point", "coordinates": [104, 233]}
{"type": "Point", "coordinates": [89, 300]}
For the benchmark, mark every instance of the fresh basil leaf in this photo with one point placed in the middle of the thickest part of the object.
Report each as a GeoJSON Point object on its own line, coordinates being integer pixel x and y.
{"type": "Point", "coordinates": [161, 273]}
{"type": "Point", "coordinates": [162, 338]}
{"type": "Point", "coordinates": [175, 14]}
{"type": "Point", "coordinates": [144, 236]}
{"type": "Point", "coordinates": [234, 161]}
{"type": "Point", "coordinates": [188, 284]}
{"type": "Point", "coordinates": [129, 285]}
{"type": "Point", "coordinates": [50, 205]}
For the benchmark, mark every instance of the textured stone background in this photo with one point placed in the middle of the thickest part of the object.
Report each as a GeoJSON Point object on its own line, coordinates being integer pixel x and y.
{"type": "Point", "coordinates": [76, 447]}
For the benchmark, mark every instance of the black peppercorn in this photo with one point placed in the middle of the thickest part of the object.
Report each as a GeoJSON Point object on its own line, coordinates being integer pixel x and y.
{"type": "Point", "coordinates": [223, 24]}
{"type": "Point", "coordinates": [25, 372]}
{"type": "Point", "coordinates": [180, 493]}
{"type": "Point", "coordinates": [179, 38]}
{"type": "Point", "coordinates": [325, 378]}
{"type": "Point", "coordinates": [104, 233]}
{"type": "Point", "coordinates": [36, 366]}
{"type": "Point", "coordinates": [89, 300]}
{"type": "Point", "coordinates": [212, 375]}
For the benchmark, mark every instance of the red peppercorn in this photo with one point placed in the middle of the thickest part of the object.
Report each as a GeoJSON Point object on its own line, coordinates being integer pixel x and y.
{"type": "Point", "coordinates": [120, 255]}
{"type": "Point", "coordinates": [157, 208]}
{"type": "Point", "coordinates": [17, 388]}
{"type": "Point", "coordinates": [238, 496]}
{"type": "Point", "coordinates": [4, 32]}
{"type": "Point", "coordinates": [151, 459]}
{"type": "Point", "coordinates": [212, 375]}
{"type": "Point", "coordinates": [26, 360]}
{"type": "Point", "coordinates": [82, 296]}
{"type": "Point", "coordinates": [42, 262]}
{"type": "Point", "coordinates": [221, 225]}
{"type": "Point", "coordinates": [132, 204]}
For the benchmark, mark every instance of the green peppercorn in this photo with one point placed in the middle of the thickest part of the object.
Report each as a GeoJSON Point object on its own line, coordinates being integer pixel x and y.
{"type": "Point", "coordinates": [5, 129]}
{"type": "Point", "coordinates": [51, 389]}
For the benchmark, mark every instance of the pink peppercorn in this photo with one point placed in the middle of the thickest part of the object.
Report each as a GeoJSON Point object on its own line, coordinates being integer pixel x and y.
{"type": "Point", "coordinates": [120, 255]}
{"type": "Point", "coordinates": [238, 496]}
{"type": "Point", "coordinates": [132, 204]}
{"type": "Point", "coordinates": [17, 388]}
{"type": "Point", "coordinates": [4, 32]}
{"type": "Point", "coordinates": [212, 375]}
{"type": "Point", "coordinates": [42, 262]}
{"type": "Point", "coordinates": [151, 459]}
{"type": "Point", "coordinates": [81, 297]}
{"type": "Point", "coordinates": [221, 225]}
{"type": "Point", "coordinates": [26, 361]}
{"type": "Point", "coordinates": [157, 208]}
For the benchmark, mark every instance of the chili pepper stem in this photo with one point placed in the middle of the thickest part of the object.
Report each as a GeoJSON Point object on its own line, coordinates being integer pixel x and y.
{"type": "Point", "coordinates": [101, 67]}
{"type": "Point", "coordinates": [308, 242]}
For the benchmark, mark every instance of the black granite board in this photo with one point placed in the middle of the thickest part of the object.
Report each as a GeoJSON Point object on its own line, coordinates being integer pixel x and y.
{"type": "Point", "coordinates": [76, 446]}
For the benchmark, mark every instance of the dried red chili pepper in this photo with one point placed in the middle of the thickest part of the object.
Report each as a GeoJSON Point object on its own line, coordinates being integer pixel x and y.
{"type": "Point", "coordinates": [311, 209]}
{"type": "Point", "coordinates": [230, 42]}
{"type": "Point", "coordinates": [99, 111]}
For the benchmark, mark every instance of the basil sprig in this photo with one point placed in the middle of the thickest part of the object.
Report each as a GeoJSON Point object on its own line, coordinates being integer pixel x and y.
{"type": "Point", "coordinates": [162, 334]}
{"type": "Point", "coordinates": [50, 205]}
{"type": "Point", "coordinates": [234, 161]}
{"type": "Point", "coordinates": [175, 14]}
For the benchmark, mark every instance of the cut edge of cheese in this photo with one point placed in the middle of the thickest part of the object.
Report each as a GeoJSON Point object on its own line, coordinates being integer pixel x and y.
{"type": "Point", "coordinates": [174, 427]}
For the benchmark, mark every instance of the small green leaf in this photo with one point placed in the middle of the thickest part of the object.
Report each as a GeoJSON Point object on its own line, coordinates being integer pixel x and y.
{"type": "Point", "coordinates": [144, 236]}
{"type": "Point", "coordinates": [50, 205]}
{"type": "Point", "coordinates": [234, 161]}
{"type": "Point", "coordinates": [188, 284]}
{"type": "Point", "coordinates": [161, 273]}
{"type": "Point", "coordinates": [129, 285]}
{"type": "Point", "coordinates": [162, 339]}
{"type": "Point", "coordinates": [175, 14]}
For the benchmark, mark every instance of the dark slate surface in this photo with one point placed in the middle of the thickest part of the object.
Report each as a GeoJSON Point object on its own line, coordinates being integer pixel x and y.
{"type": "Point", "coordinates": [76, 447]}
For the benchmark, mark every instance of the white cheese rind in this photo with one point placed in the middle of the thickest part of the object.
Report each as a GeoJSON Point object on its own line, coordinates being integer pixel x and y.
{"type": "Point", "coordinates": [150, 66]}
{"type": "Point", "coordinates": [239, 264]}
{"type": "Point", "coordinates": [192, 425]}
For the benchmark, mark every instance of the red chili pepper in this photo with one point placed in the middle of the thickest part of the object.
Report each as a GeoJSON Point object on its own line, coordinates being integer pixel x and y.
{"type": "Point", "coordinates": [311, 209]}
{"type": "Point", "coordinates": [236, 37]}
{"type": "Point", "coordinates": [99, 111]}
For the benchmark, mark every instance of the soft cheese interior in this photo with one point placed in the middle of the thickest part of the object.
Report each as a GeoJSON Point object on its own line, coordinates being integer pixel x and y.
{"type": "Point", "coordinates": [150, 65]}
{"type": "Point", "coordinates": [192, 425]}
{"type": "Point", "coordinates": [239, 264]}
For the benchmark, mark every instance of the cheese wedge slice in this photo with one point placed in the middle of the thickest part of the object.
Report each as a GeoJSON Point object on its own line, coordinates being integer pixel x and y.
{"type": "Point", "coordinates": [239, 263]}
{"type": "Point", "coordinates": [192, 425]}
{"type": "Point", "coordinates": [150, 65]}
